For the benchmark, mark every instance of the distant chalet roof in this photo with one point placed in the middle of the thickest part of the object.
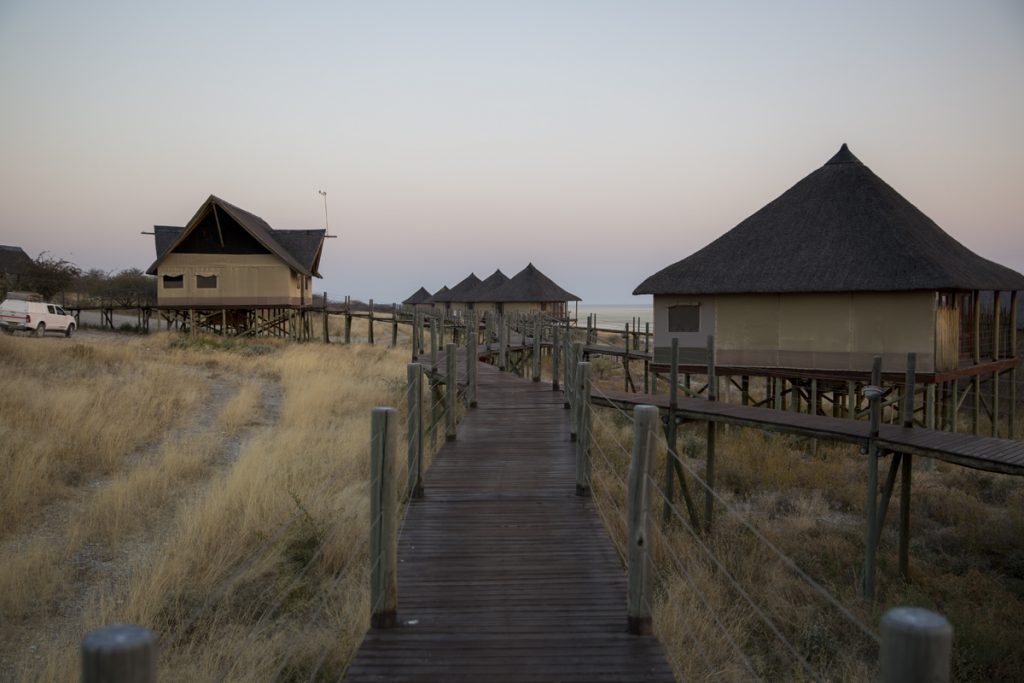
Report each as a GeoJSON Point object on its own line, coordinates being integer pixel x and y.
{"type": "Point", "coordinates": [462, 292]}
{"type": "Point", "coordinates": [840, 229]}
{"type": "Point", "coordinates": [531, 285]}
{"type": "Point", "coordinates": [440, 296]}
{"type": "Point", "coordinates": [420, 296]}
{"type": "Point", "coordinates": [299, 249]}
{"type": "Point", "coordinates": [14, 260]}
{"type": "Point", "coordinates": [484, 291]}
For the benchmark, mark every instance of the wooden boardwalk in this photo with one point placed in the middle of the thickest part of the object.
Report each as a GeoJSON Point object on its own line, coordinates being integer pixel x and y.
{"type": "Point", "coordinates": [504, 573]}
{"type": "Point", "coordinates": [978, 452]}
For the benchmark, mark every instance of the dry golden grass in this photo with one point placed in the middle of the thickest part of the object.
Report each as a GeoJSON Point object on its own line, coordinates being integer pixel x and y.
{"type": "Point", "coordinates": [967, 557]}
{"type": "Point", "coordinates": [247, 570]}
{"type": "Point", "coordinates": [72, 411]}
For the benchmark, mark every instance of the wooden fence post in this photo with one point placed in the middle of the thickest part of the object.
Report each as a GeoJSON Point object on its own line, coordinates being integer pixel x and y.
{"type": "Point", "coordinates": [575, 400]}
{"type": "Point", "coordinates": [555, 352]}
{"type": "Point", "coordinates": [583, 432]}
{"type": "Point", "coordinates": [394, 326]}
{"type": "Point", "coordinates": [536, 349]}
{"type": "Point", "coordinates": [502, 343]}
{"type": "Point", "coordinates": [906, 467]}
{"type": "Point", "coordinates": [433, 343]}
{"type": "Point", "coordinates": [122, 653]}
{"type": "Point", "coordinates": [671, 431]}
{"type": "Point", "coordinates": [369, 325]}
{"type": "Point", "coordinates": [414, 374]}
{"type": "Point", "coordinates": [709, 476]}
{"type": "Point", "coordinates": [638, 593]}
{"type": "Point", "coordinates": [452, 387]}
{"type": "Point", "coordinates": [917, 646]}
{"type": "Point", "coordinates": [873, 394]}
{"type": "Point", "coordinates": [327, 333]}
{"type": "Point", "coordinates": [348, 319]}
{"type": "Point", "coordinates": [566, 371]}
{"type": "Point", "coordinates": [471, 358]}
{"type": "Point", "coordinates": [1013, 371]}
{"type": "Point", "coordinates": [383, 520]}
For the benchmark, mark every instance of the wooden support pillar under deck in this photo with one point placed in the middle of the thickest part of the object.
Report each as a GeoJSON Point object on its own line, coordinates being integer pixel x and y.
{"type": "Point", "coordinates": [1011, 432]}
{"type": "Point", "coordinates": [976, 354]}
{"type": "Point", "coordinates": [709, 474]}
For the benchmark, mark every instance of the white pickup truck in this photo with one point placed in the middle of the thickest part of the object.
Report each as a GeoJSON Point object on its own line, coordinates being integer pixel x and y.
{"type": "Point", "coordinates": [35, 316]}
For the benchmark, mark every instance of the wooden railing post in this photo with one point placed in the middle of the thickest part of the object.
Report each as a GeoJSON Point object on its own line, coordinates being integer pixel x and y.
{"type": "Point", "coordinates": [536, 349]}
{"type": "Point", "coordinates": [1013, 371]}
{"type": "Point", "coordinates": [638, 593]}
{"type": "Point", "coordinates": [414, 374]}
{"type": "Point", "coordinates": [369, 326]}
{"type": "Point", "coordinates": [394, 326]}
{"type": "Point", "coordinates": [906, 466]}
{"type": "Point", "coordinates": [566, 370]}
{"type": "Point", "coordinates": [709, 476]}
{"type": "Point", "coordinates": [502, 343]}
{"type": "Point", "coordinates": [583, 432]}
{"type": "Point", "coordinates": [348, 319]}
{"type": "Point", "coordinates": [874, 394]}
{"type": "Point", "coordinates": [471, 358]}
{"type": "Point", "coordinates": [917, 646]}
{"type": "Point", "coordinates": [452, 388]}
{"type": "Point", "coordinates": [556, 350]}
{"type": "Point", "coordinates": [122, 653]}
{"type": "Point", "coordinates": [577, 357]}
{"type": "Point", "coordinates": [433, 342]}
{"type": "Point", "coordinates": [327, 334]}
{"type": "Point", "coordinates": [383, 520]}
{"type": "Point", "coordinates": [671, 430]}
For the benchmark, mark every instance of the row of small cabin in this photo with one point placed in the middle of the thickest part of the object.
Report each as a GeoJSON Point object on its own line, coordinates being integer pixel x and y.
{"type": "Point", "coordinates": [529, 290]}
{"type": "Point", "coordinates": [837, 269]}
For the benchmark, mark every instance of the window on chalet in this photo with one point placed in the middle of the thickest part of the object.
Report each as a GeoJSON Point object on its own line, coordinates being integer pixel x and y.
{"type": "Point", "coordinates": [206, 282]}
{"type": "Point", "coordinates": [684, 318]}
{"type": "Point", "coordinates": [174, 281]}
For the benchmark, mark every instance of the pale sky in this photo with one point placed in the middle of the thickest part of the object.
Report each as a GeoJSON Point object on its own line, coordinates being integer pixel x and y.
{"type": "Point", "coordinates": [599, 140]}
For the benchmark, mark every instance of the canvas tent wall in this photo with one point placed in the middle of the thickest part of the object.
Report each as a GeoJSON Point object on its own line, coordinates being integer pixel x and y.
{"type": "Point", "coordinates": [228, 257]}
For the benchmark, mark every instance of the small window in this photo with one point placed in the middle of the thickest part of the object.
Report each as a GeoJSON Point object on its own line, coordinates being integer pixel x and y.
{"type": "Point", "coordinates": [684, 318]}
{"type": "Point", "coordinates": [50, 309]}
{"type": "Point", "coordinates": [174, 281]}
{"type": "Point", "coordinates": [206, 282]}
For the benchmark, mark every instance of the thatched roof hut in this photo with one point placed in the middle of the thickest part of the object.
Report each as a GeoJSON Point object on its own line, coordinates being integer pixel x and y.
{"type": "Point", "coordinates": [461, 294]}
{"type": "Point", "coordinates": [530, 289]}
{"type": "Point", "coordinates": [420, 296]}
{"type": "Point", "coordinates": [838, 268]}
{"type": "Point", "coordinates": [840, 229]}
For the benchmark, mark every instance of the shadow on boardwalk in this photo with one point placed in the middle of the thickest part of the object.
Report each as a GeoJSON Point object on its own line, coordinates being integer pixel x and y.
{"type": "Point", "coordinates": [504, 573]}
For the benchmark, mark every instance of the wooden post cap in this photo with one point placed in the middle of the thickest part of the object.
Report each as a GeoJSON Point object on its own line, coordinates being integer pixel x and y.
{"type": "Point", "coordinates": [120, 653]}
{"type": "Point", "coordinates": [917, 645]}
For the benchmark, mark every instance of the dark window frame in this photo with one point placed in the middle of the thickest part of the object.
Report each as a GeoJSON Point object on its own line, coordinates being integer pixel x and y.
{"type": "Point", "coordinates": [173, 282]}
{"type": "Point", "coordinates": [686, 320]}
{"type": "Point", "coordinates": [206, 281]}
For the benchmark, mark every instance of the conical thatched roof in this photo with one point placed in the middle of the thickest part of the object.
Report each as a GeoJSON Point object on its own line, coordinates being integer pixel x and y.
{"type": "Point", "coordinates": [441, 296]}
{"type": "Point", "coordinates": [485, 290]}
{"type": "Point", "coordinates": [530, 285]}
{"type": "Point", "coordinates": [420, 296]}
{"type": "Point", "coordinates": [463, 291]}
{"type": "Point", "coordinates": [840, 229]}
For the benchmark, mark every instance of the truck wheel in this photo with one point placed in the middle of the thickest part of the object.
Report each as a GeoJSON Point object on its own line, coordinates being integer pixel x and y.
{"type": "Point", "coordinates": [40, 329]}
{"type": "Point", "coordinates": [70, 331]}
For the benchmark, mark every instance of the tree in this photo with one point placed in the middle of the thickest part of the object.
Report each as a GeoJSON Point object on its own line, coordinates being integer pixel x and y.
{"type": "Point", "coordinates": [132, 287]}
{"type": "Point", "coordinates": [50, 275]}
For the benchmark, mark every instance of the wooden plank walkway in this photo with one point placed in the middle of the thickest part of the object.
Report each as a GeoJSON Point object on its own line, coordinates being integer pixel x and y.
{"type": "Point", "coordinates": [504, 573]}
{"type": "Point", "coordinates": [978, 452]}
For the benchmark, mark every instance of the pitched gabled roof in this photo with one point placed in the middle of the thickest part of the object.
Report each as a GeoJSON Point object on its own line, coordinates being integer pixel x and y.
{"type": "Point", "coordinates": [420, 296]}
{"type": "Point", "coordinates": [14, 260]}
{"type": "Point", "coordinates": [840, 229]}
{"type": "Point", "coordinates": [440, 296]}
{"type": "Point", "coordinates": [485, 290]}
{"type": "Point", "coordinates": [299, 249]}
{"type": "Point", "coordinates": [531, 285]}
{"type": "Point", "coordinates": [463, 291]}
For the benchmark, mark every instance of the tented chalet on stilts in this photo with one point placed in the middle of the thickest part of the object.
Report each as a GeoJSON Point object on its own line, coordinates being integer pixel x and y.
{"type": "Point", "coordinates": [228, 272]}
{"type": "Point", "coordinates": [839, 269]}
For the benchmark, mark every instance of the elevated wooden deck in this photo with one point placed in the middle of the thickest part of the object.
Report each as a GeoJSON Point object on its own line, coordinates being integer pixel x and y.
{"type": "Point", "coordinates": [504, 573]}
{"type": "Point", "coordinates": [978, 452]}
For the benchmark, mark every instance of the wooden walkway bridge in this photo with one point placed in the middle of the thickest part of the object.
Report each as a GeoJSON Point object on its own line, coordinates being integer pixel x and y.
{"type": "Point", "coordinates": [504, 573]}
